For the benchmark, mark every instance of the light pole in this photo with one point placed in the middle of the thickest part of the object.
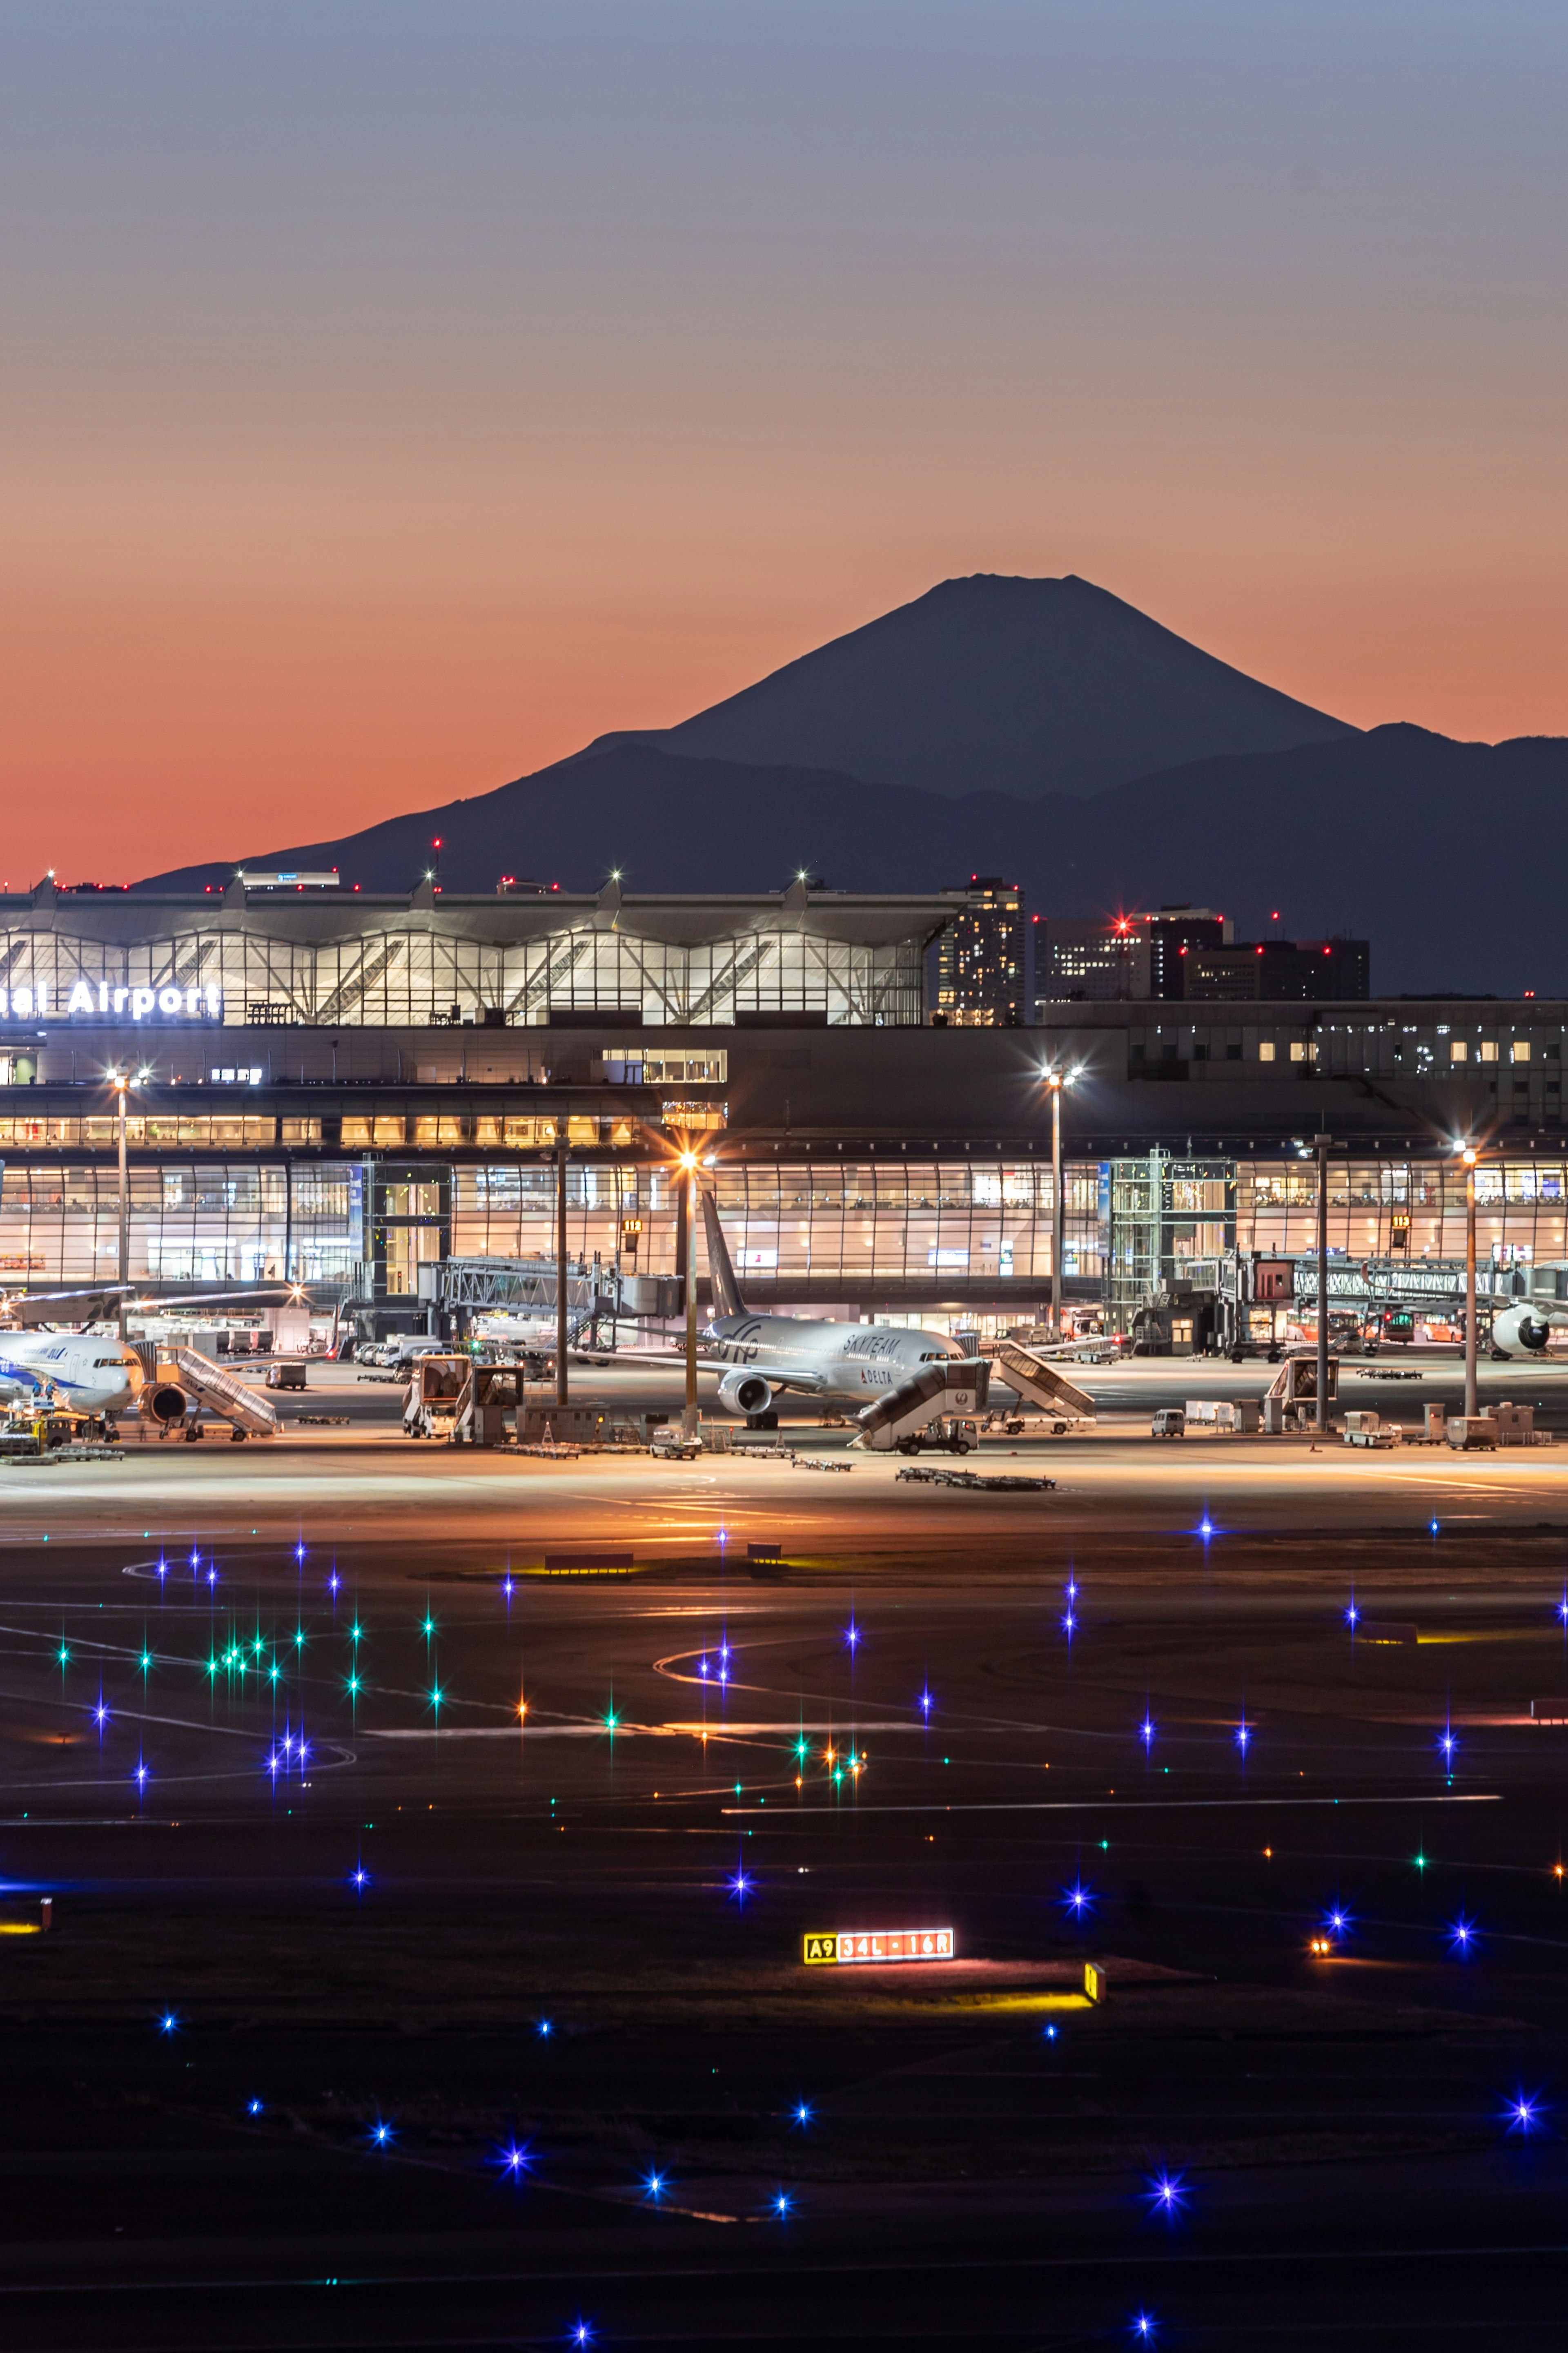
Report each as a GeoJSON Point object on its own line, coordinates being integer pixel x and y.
{"type": "Point", "coordinates": [121, 1082]}
{"type": "Point", "coordinates": [1468, 1157]}
{"type": "Point", "coordinates": [1055, 1082]}
{"type": "Point", "coordinates": [561, 1141]}
{"type": "Point", "coordinates": [688, 1212]}
{"type": "Point", "coordinates": [1322, 1144]}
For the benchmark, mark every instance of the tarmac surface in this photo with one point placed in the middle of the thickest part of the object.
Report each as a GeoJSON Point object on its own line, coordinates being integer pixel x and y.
{"type": "Point", "coordinates": [431, 1840]}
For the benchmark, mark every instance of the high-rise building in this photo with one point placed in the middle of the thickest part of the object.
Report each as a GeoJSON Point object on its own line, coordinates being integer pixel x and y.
{"type": "Point", "coordinates": [1093, 959]}
{"type": "Point", "coordinates": [1277, 972]}
{"type": "Point", "coordinates": [1173, 934]}
{"type": "Point", "coordinates": [982, 980]}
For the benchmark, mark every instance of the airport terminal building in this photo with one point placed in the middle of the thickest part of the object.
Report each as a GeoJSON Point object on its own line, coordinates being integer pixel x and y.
{"type": "Point", "coordinates": [343, 1091]}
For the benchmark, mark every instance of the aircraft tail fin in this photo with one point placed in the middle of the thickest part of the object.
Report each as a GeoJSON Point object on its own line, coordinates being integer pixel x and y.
{"type": "Point", "coordinates": [727, 1299]}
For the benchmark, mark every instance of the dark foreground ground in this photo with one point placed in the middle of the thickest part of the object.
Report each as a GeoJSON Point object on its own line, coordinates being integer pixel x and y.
{"type": "Point", "coordinates": [552, 2062]}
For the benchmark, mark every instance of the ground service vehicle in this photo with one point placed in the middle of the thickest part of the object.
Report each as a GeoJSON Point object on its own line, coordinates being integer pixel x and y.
{"type": "Point", "coordinates": [1171, 1421]}
{"type": "Point", "coordinates": [949, 1436]}
{"type": "Point", "coordinates": [672, 1445]}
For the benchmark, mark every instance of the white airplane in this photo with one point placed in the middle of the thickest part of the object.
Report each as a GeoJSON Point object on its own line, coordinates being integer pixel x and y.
{"type": "Point", "coordinates": [1525, 1330]}
{"type": "Point", "coordinates": [533, 1332]}
{"type": "Point", "coordinates": [88, 1371]}
{"type": "Point", "coordinates": [845, 1364]}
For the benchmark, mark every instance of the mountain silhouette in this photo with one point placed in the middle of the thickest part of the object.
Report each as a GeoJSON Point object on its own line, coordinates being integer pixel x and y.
{"type": "Point", "coordinates": [990, 684]}
{"type": "Point", "coordinates": [1372, 833]}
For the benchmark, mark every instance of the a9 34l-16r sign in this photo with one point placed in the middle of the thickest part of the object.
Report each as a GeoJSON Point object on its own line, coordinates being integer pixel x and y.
{"type": "Point", "coordinates": [842, 1947]}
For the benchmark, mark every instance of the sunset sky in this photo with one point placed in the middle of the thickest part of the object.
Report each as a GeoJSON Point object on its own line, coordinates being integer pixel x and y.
{"type": "Point", "coordinates": [398, 392]}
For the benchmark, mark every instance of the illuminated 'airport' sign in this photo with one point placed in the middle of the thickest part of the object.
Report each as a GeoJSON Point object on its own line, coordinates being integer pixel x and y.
{"type": "Point", "coordinates": [842, 1947]}
{"type": "Point", "coordinates": [101, 998]}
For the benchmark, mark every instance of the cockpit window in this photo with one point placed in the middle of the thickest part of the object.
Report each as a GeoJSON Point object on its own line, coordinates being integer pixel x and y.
{"type": "Point", "coordinates": [101, 1364]}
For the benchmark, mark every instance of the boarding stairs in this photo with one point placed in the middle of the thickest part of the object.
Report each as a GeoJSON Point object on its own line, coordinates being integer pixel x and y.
{"type": "Point", "coordinates": [953, 1385]}
{"type": "Point", "coordinates": [1039, 1381]}
{"type": "Point", "coordinates": [181, 1373]}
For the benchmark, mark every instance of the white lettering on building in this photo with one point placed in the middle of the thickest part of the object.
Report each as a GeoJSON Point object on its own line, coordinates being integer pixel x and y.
{"type": "Point", "coordinates": [26, 1001]}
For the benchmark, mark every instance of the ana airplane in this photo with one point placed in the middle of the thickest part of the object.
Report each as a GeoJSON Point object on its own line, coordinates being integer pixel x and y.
{"type": "Point", "coordinates": [528, 1332]}
{"type": "Point", "coordinates": [86, 1369]}
{"type": "Point", "coordinates": [845, 1364]}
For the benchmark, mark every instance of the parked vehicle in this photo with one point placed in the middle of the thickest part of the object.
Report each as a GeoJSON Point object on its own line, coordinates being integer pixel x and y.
{"type": "Point", "coordinates": [1171, 1421]}
{"type": "Point", "coordinates": [947, 1435]}
{"type": "Point", "coordinates": [671, 1444]}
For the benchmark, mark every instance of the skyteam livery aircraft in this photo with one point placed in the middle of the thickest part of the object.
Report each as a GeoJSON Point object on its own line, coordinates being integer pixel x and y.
{"type": "Point", "coordinates": [846, 1363]}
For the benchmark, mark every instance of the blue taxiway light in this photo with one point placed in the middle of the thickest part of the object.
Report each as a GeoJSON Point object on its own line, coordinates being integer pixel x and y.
{"type": "Point", "coordinates": [1167, 2193]}
{"type": "Point", "coordinates": [381, 2135]}
{"type": "Point", "coordinates": [169, 2023]}
{"type": "Point", "coordinates": [1523, 2111]}
{"type": "Point", "coordinates": [803, 2113]}
{"type": "Point", "coordinates": [1462, 1936]}
{"type": "Point", "coordinates": [1078, 1899]}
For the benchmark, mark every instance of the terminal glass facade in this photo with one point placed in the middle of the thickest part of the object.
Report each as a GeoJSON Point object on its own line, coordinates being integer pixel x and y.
{"type": "Point", "coordinates": [261, 1215]}
{"type": "Point", "coordinates": [414, 974]}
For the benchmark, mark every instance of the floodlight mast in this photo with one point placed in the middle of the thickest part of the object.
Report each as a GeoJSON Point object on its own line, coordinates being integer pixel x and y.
{"type": "Point", "coordinates": [1469, 1156]}
{"type": "Point", "coordinates": [1055, 1082]}
{"type": "Point", "coordinates": [561, 1145]}
{"type": "Point", "coordinates": [688, 1213]}
{"type": "Point", "coordinates": [121, 1082]}
{"type": "Point", "coordinates": [1322, 1144]}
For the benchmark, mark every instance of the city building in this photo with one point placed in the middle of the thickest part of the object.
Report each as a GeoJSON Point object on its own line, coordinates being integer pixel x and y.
{"type": "Point", "coordinates": [1276, 972]}
{"type": "Point", "coordinates": [1092, 960]}
{"type": "Point", "coordinates": [1174, 934]}
{"type": "Point", "coordinates": [1187, 954]}
{"type": "Point", "coordinates": [292, 1118]}
{"type": "Point", "coordinates": [982, 977]}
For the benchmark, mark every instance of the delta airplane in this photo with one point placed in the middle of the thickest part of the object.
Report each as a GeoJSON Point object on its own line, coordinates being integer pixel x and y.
{"type": "Point", "coordinates": [846, 1364]}
{"type": "Point", "coordinates": [85, 1370]}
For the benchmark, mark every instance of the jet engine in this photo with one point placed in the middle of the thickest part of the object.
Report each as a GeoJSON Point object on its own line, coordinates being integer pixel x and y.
{"type": "Point", "coordinates": [161, 1402]}
{"type": "Point", "coordinates": [745, 1393]}
{"type": "Point", "coordinates": [1520, 1331]}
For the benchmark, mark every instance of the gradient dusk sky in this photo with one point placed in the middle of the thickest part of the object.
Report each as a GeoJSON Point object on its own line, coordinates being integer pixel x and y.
{"type": "Point", "coordinates": [398, 392]}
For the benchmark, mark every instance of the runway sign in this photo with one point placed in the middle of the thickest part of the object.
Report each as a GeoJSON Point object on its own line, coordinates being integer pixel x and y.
{"type": "Point", "coordinates": [843, 1947]}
